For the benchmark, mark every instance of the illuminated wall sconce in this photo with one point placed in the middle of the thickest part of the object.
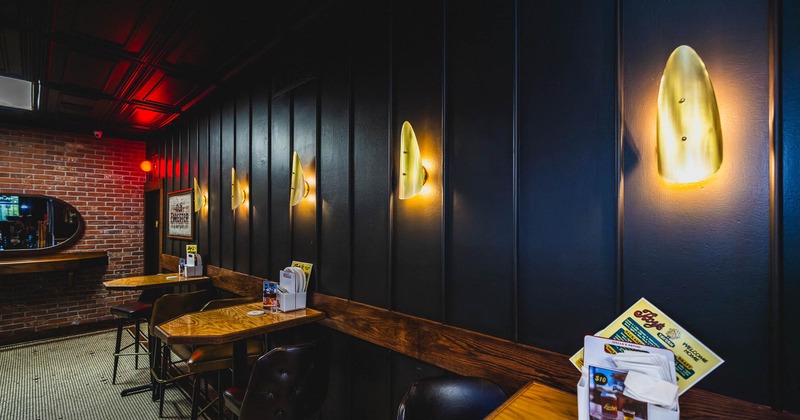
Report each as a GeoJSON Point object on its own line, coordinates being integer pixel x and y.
{"type": "Point", "coordinates": [412, 174]}
{"type": "Point", "coordinates": [200, 199]}
{"type": "Point", "coordinates": [299, 185]}
{"type": "Point", "coordinates": [238, 195]}
{"type": "Point", "coordinates": [689, 131]}
{"type": "Point", "coordinates": [146, 166]}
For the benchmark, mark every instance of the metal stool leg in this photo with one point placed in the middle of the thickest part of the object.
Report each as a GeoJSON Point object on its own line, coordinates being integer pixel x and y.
{"type": "Point", "coordinates": [137, 344]}
{"type": "Point", "coordinates": [116, 352]}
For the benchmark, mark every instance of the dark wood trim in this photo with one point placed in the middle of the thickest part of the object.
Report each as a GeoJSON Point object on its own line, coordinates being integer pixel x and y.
{"type": "Point", "coordinates": [509, 364]}
{"type": "Point", "coordinates": [222, 278]}
{"type": "Point", "coordinates": [153, 185]}
{"type": "Point", "coordinates": [69, 262]}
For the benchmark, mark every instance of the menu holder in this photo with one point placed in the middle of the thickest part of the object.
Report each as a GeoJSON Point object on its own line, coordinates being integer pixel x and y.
{"type": "Point", "coordinates": [600, 389]}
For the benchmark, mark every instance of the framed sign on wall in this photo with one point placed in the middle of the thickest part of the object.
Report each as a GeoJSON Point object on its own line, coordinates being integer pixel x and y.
{"type": "Point", "coordinates": [180, 220]}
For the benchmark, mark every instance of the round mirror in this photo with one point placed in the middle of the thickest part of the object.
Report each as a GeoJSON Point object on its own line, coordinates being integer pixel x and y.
{"type": "Point", "coordinates": [33, 224]}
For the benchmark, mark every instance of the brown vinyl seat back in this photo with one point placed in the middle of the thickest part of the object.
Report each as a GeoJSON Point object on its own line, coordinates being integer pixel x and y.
{"type": "Point", "coordinates": [289, 382]}
{"type": "Point", "coordinates": [224, 303]}
{"type": "Point", "coordinates": [450, 398]}
{"type": "Point", "coordinates": [173, 305]}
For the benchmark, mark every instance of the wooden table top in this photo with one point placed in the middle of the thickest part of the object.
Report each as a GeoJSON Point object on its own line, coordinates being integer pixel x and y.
{"type": "Point", "coordinates": [151, 281]}
{"type": "Point", "coordinates": [229, 324]}
{"type": "Point", "coordinates": [536, 401]}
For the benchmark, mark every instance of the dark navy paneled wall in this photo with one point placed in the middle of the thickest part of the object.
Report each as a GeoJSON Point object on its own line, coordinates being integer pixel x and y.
{"type": "Point", "coordinates": [543, 215]}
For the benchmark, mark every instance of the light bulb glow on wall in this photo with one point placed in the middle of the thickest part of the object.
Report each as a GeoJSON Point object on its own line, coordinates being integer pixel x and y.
{"type": "Point", "coordinates": [299, 187]}
{"type": "Point", "coordinates": [200, 199]}
{"type": "Point", "coordinates": [412, 174]}
{"type": "Point", "coordinates": [238, 194]}
{"type": "Point", "coordinates": [689, 130]}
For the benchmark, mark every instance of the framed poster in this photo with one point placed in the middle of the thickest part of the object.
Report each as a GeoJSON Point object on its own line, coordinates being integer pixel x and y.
{"type": "Point", "coordinates": [180, 214]}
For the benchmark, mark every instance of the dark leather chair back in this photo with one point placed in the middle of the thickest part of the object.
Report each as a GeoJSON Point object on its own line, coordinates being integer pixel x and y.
{"type": "Point", "coordinates": [450, 398]}
{"type": "Point", "coordinates": [289, 382]}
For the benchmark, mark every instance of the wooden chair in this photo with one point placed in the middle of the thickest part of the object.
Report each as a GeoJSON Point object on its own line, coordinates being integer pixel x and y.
{"type": "Point", "coordinates": [169, 306]}
{"type": "Point", "coordinates": [202, 360]}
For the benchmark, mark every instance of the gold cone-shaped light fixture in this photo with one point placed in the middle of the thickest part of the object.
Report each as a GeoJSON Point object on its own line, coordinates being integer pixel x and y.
{"type": "Point", "coordinates": [299, 184]}
{"type": "Point", "coordinates": [199, 198]}
{"type": "Point", "coordinates": [412, 174]}
{"type": "Point", "coordinates": [238, 195]}
{"type": "Point", "coordinates": [689, 131]}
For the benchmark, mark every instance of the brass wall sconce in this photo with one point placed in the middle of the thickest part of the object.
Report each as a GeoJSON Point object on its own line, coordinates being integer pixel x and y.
{"type": "Point", "coordinates": [299, 187]}
{"type": "Point", "coordinates": [689, 130]}
{"type": "Point", "coordinates": [200, 200]}
{"type": "Point", "coordinates": [412, 174]}
{"type": "Point", "coordinates": [238, 194]}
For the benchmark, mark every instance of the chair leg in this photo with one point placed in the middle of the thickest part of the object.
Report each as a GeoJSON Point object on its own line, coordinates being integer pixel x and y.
{"type": "Point", "coordinates": [164, 364]}
{"type": "Point", "coordinates": [116, 352]}
{"type": "Point", "coordinates": [155, 354]}
{"type": "Point", "coordinates": [220, 395]}
{"type": "Point", "coordinates": [196, 396]}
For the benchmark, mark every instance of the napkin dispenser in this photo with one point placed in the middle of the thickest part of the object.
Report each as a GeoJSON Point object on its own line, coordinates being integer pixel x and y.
{"type": "Point", "coordinates": [194, 265]}
{"type": "Point", "coordinates": [291, 293]}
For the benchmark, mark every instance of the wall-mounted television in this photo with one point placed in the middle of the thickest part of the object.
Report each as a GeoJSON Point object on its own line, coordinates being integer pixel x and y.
{"type": "Point", "coordinates": [9, 207]}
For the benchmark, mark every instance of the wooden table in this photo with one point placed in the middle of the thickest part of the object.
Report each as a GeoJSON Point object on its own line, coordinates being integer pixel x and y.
{"type": "Point", "coordinates": [231, 324]}
{"type": "Point", "coordinates": [536, 401]}
{"type": "Point", "coordinates": [153, 281]}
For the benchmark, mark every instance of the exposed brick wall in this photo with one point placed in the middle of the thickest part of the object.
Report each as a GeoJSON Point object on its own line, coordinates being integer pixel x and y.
{"type": "Point", "coordinates": [102, 180]}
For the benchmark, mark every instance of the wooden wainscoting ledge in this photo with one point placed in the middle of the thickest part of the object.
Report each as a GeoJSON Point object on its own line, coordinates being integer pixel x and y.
{"type": "Point", "coordinates": [61, 261]}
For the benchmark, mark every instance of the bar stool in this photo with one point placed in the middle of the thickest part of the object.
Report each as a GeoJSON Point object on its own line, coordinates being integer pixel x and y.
{"type": "Point", "coordinates": [136, 311]}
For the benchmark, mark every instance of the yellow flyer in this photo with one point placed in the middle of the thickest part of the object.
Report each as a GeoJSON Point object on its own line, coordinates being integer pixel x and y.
{"type": "Point", "coordinates": [306, 267]}
{"type": "Point", "coordinates": [645, 324]}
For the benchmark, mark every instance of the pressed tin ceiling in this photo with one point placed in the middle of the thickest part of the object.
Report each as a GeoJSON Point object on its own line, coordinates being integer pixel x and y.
{"type": "Point", "coordinates": [130, 67]}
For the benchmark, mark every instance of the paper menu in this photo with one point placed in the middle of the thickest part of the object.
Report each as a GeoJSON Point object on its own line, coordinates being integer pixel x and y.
{"type": "Point", "coordinates": [647, 325]}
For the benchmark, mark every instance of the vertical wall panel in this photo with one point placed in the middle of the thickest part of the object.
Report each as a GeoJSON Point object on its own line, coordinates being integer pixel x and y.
{"type": "Point", "coordinates": [480, 232]}
{"type": "Point", "coordinates": [790, 118]}
{"type": "Point", "coordinates": [173, 151]}
{"type": "Point", "coordinates": [417, 94]}
{"type": "Point", "coordinates": [701, 252]}
{"type": "Point", "coordinates": [185, 157]}
{"type": "Point", "coordinates": [242, 163]}
{"type": "Point", "coordinates": [280, 173]}
{"type": "Point", "coordinates": [305, 143]}
{"type": "Point", "coordinates": [567, 172]}
{"type": "Point", "coordinates": [259, 184]}
{"type": "Point", "coordinates": [227, 123]}
{"type": "Point", "coordinates": [371, 153]}
{"type": "Point", "coordinates": [202, 181]}
{"type": "Point", "coordinates": [215, 197]}
{"type": "Point", "coordinates": [183, 165]}
{"type": "Point", "coordinates": [337, 400]}
{"type": "Point", "coordinates": [333, 172]}
{"type": "Point", "coordinates": [369, 381]}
